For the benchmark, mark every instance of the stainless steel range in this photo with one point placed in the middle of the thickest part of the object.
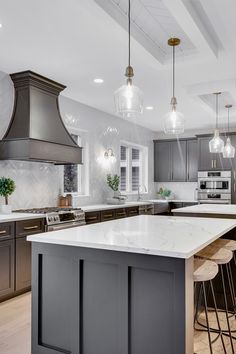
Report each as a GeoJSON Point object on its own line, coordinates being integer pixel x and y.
{"type": "Point", "coordinates": [59, 218]}
{"type": "Point", "coordinates": [214, 187]}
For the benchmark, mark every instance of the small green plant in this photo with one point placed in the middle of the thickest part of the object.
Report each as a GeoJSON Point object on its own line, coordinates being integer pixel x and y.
{"type": "Point", "coordinates": [164, 192]}
{"type": "Point", "coordinates": [7, 187]}
{"type": "Point", "coordinates": [113, 182]}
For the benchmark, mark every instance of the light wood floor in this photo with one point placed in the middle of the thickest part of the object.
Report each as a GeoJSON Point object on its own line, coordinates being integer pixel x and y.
{"type": "Point", "coordinates": [15, 329]}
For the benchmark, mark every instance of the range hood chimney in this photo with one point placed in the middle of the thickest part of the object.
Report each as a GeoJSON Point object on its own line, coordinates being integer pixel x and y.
{"type": "Point", "coordinates": [36, 131]}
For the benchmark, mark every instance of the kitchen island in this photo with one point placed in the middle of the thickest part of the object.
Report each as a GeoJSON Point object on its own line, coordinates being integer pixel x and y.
{"type": "Point", "coordinates": [225, 211]}
{"type": "Point", "coordinates": [120, 287]}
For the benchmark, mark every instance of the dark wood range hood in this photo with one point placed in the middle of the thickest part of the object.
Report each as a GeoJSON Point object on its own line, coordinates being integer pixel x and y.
{"type": "Point", "coordinates": [36, 131]}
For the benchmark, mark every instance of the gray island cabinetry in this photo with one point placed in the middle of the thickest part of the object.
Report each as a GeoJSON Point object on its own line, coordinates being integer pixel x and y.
{"type": "Point", "coordinates": [120, 287]}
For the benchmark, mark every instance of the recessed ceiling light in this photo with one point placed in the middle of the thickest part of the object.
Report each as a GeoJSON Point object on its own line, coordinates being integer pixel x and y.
{"type": "Point", "coordinates": [0, 25]}
{"type": "Point", "coordinates": [98, 80]}
{"type": "Point", "coordinates": [149, 108]}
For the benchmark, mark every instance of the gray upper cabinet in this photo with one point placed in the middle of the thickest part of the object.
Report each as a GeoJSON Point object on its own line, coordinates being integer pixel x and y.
{"type": "Point", "coordinates": [178, 159]}
{"type": "Point", "coordinates": [162, 161]}
{"type": "Point", "coordinates": [206, 160]}
{"type": "Point", "coordinates": [192, 160]}
{"type": "Point", "coordinates": [175, 160]}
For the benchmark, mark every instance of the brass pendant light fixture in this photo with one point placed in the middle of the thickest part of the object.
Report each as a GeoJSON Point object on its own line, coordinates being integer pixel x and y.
{"type": "Point", "coordinates": [229, 149]}
{"type": "Point", "coordinates": [216, 144]}
{"type": "Point", "coordinates": [129, 98]}
{"type": "Point", "coordinates": [174, 120]}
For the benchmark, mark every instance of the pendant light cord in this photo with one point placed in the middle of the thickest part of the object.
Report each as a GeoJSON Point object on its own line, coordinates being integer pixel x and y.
{"type": "Point", "coordinates": [228, 119]}
{"type": "Point", "coordinates": [129, 10]}
{"type": "Point", "coordinates": [216, 110]}
{"type": "Point", "coordinates": [173, 71]}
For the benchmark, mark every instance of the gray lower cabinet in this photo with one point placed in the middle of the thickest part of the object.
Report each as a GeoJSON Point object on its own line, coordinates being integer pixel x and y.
{"type": "Point", "coordinates": [7, 259]}
{"type": "Point", "coordinates": [23, 263]}
{"type": "Point", "coordinates": [175, 160]}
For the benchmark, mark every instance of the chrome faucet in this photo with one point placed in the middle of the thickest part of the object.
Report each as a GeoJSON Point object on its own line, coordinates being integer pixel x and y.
{"type": "Point", "coordinates": [139, 193]}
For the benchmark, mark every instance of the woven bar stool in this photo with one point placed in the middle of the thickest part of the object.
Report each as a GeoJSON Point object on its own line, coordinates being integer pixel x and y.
{"type": "Point", "coordinates": [222, 257]}
{"type": "Point", "coordinates": [229, 245]}
{"type": "Point", "coordinates": [205, 271]}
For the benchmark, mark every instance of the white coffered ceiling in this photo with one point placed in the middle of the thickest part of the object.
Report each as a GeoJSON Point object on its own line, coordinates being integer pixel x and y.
{"type": "Point", "coordinates": [75, 41]}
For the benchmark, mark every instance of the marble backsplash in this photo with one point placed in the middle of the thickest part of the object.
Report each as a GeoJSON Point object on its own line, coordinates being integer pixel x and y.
{"type": "Point", "coordinates": [37, 184]}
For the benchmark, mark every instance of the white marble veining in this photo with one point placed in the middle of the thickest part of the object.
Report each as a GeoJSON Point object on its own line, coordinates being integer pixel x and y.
{"type": "Point", "coordinates": [146, 234]}
{"type": "Point", "coordinates": [97, 207]}
{"type": "Point", "coordinates": [19, 216]}
{"type": "Point", "coordinates": [226, 209]}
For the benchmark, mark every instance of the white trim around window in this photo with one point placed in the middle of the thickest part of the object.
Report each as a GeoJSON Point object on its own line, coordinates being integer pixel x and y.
{"type": "Point", "coordinates": [133, 168]}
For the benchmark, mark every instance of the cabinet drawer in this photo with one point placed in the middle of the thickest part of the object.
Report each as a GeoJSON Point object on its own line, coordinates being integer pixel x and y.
{"type": "Point", "coordinates": [7, 230]}
{"type": "Point", "coordinates": [29, 227]}
{"type": "Point", "coordinates": [107, 215]}
{"type": "Point", "coordinates": [176, 205]}
{"type": "Point", "coordinates": [120, 213]}
{"type": "Point", "coordinates": [132, 211]}
{"type": "Point", "coordinates": [92, 217]}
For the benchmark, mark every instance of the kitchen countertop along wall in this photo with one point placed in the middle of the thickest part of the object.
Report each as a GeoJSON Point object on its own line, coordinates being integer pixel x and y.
{"type": "Point", "coordinates": [38, 185]}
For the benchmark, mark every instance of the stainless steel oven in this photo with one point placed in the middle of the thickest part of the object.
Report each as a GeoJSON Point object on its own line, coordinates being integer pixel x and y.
{"type": "Point", "coordinates": [214, 187]}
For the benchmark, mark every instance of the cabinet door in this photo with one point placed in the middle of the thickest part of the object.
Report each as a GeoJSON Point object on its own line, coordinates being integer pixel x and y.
{"type": "Point", "coordinates": [162, 161]}
{"type": "Point", "coordinates": [206, 160]}
{"type": "Point", "coordinates": [23, 263]}
{"type": "Point", "coordinates": [7, 265]}
{"type": "Point", "coordinates": [192, 160]}
{"type": "Point", "coordinates": [178, 158]}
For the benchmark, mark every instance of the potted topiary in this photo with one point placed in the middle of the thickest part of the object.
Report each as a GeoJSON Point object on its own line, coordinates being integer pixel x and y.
{"type": "Point", "coordinates": [7, 187]}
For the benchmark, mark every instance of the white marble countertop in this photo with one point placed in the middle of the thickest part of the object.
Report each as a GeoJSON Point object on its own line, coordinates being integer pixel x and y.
{"type": "Point", "coordinates": [178, 237]}
{"type": "Point", "coordinates": [98, 207]}
{"type": "Point", "coordinates": [173, 201]}
{"type": "Point", "coordinates": [224, 209]}
{"type": "Point", "coordinates": [19, 216]}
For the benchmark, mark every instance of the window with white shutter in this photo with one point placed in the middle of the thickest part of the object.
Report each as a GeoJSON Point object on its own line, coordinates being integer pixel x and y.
{"type": "Point", "coordinates": [133, 167]}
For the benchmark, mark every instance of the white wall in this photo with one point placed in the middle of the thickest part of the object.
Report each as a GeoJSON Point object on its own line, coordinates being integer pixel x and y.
{"type": "Point", "coordinates": [38, 184]}
{"type": "Point", "coordinates": [181, 190]}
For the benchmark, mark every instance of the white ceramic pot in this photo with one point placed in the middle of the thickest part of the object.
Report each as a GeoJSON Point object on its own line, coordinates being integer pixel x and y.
{"type": "Point", "coordinates": [6, 209]}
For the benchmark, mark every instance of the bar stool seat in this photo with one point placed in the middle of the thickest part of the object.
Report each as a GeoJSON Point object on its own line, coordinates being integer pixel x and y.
{"type": "Point", "coordinates": [216, 254]}
{"type": "Point", "coordinates": [225, 243]}
{"type": "Point", "coordinates": [222, 257]}
{"type": "Point", "coordinates": [204, 270]}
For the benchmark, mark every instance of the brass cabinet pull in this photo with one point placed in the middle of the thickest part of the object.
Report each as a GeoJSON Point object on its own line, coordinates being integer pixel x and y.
{"type": "Point", "coordinates": [234, 187]}
{"type": "Point", "coordinates": [92, 217]}
{"type": "Point", "coordinates": [31, 227]}
{"type": "Point", "coordinates": [215, 163]}
{"type": "Point", "coordinates": [107, 215]}
{"type": "Point", "coordinates": [133, 211]}
{"type": "Point", "coordinates": [234, 174]}
{"type": "Point", "coordinates": [212, 164]}
{"type": "Point", "coordinates": [3, 232]}
{"type": "Point", "coordinates": [120, 214]}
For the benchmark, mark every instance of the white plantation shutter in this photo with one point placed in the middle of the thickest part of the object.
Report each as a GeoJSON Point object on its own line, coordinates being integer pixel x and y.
{"type": "Point", "coordinates": [131, 168]}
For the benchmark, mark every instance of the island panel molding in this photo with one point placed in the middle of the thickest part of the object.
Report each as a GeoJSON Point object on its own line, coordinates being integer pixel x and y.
{"type": "Point", "coordinates": [94, 301]}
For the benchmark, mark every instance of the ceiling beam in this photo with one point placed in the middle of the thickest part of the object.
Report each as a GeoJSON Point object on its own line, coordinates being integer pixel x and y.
{"type": "Point", "coordinates": [121, 18]}
{"type": "Point", "coordinates": [189, 21]}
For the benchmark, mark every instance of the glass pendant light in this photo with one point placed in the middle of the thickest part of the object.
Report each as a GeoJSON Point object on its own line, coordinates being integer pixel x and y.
{"type": "Point", "coordinates": [216, 144]}
{"type": "Point", "coordinates": [129, 98]}
{"type": "Point", "coordinates": [229, 149]}
{"type": "Point", "coordinates": [174, 120]}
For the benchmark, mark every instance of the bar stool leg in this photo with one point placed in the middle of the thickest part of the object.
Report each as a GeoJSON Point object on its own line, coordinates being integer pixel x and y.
{"type": "Point", "coordinates": [217, 316]}
{"type": "Point", "coordinates": [226, 307]}
{"type": "Point", "coordinates": [207, 320]}
{"type": "Point", "coordinates": [231, 287]}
